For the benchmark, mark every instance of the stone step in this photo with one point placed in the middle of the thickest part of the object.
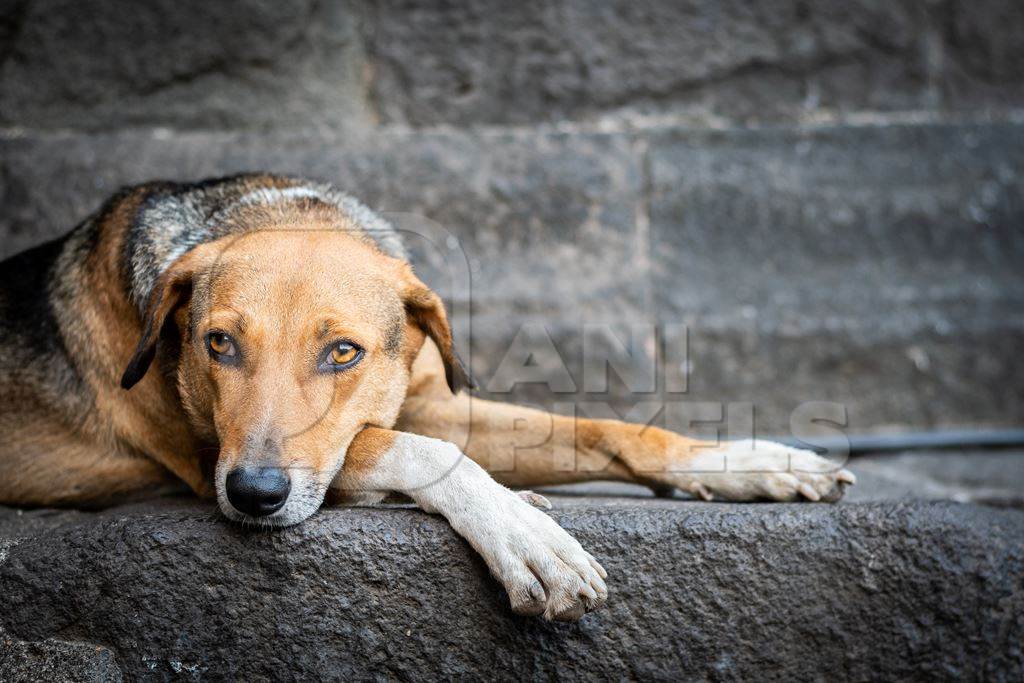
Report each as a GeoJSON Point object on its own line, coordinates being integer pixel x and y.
{"type": "Point", "coordinates": [855, 591]}
{"type": "Point", "coordinates": [873, 266]}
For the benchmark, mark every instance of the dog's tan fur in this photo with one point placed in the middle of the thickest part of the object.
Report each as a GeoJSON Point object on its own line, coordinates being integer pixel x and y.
{"type": "Point", "coordinates": [295, 279]}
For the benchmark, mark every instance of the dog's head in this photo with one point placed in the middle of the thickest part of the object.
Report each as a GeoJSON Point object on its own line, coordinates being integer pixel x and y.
{"type": "Point", "coordinates": [289, 341]}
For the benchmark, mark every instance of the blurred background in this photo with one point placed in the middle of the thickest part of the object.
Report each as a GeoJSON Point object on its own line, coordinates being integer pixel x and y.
{"type": "Point", "coordinates": [805, 201]}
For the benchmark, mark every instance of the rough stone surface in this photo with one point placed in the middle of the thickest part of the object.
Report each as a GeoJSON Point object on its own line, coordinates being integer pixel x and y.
{"type": "Point", "coordinates": [55, 660]}
{"type": "Point", "coordinates": [876, 267]}
{"type": "Point", "coordinates": [734, 61]}
{"type": "Point", "coordinates": [101, 65]}
{"type": "Point", "coordinates": [89, 64]}
{"type": "Point", "coordinates": [990, 477]}
{"type": "Point", "coordinates": [887, 590]}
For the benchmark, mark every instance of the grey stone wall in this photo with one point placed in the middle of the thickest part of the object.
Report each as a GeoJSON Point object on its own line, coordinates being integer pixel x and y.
{"type": "Point", "coordinates": [103, 65]}
{"type": "Point", "coordinates": [826, 195]}
{"type": "Point", "coordinates": [100, 65]}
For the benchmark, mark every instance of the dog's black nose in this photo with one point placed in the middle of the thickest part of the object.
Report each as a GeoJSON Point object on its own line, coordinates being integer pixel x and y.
{"type": "Point", "coordinates": [258, 491]}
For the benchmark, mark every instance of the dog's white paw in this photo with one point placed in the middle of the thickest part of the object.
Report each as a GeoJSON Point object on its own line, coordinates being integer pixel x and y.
{"type": "Point", "coordinates": [764, 470]}
{"type": "Point", "coordinates": [544, 569]}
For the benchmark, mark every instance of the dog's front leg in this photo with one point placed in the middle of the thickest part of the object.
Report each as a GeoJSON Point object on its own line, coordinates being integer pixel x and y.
{"type": "Point", "coordinates": [543, 568]}
{"type": "Point", "coordinates": [527, 447]}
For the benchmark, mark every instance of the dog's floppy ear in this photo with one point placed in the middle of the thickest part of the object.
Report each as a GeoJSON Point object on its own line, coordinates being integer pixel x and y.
{"type": "Point", "coordinates": [426, 310]}
{"type": "Point", "coordinates": [172, 289]}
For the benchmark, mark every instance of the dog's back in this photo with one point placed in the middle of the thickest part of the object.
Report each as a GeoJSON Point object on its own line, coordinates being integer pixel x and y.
{"type": "Point", "coordinates": [37, 376]}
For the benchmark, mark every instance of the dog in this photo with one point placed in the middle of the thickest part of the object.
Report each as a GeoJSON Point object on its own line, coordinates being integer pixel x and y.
{"type": "Point", "coordinates": [264, 340]}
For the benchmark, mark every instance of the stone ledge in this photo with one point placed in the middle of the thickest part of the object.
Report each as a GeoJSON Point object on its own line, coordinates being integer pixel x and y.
{"type": "Point", "coordinates": [854, 591]}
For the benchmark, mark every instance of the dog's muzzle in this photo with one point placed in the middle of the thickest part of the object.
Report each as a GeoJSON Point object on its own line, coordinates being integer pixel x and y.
{"type": "Point", "coordinates": [258, 491]}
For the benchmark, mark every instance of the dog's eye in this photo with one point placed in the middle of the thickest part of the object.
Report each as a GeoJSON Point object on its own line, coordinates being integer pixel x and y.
{"type": "Point", "coordinates": [343, 355]}
{"type": "Point", "coordinates": [221, 346]}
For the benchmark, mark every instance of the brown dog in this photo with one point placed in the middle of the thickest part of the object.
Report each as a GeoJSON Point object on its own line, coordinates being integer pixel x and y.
{"type": "Point", "coordinates": [264, 340]}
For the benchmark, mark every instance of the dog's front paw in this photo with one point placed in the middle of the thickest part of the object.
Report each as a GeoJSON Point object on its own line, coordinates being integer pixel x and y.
{"type": "Point", "coordinates": [544, 570]}
{"type": "Point", "coordinates": [763, 470]}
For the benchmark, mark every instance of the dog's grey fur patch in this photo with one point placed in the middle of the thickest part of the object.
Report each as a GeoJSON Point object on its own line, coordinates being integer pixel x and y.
{"type": "Point", "coordinates": [175, 219]}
